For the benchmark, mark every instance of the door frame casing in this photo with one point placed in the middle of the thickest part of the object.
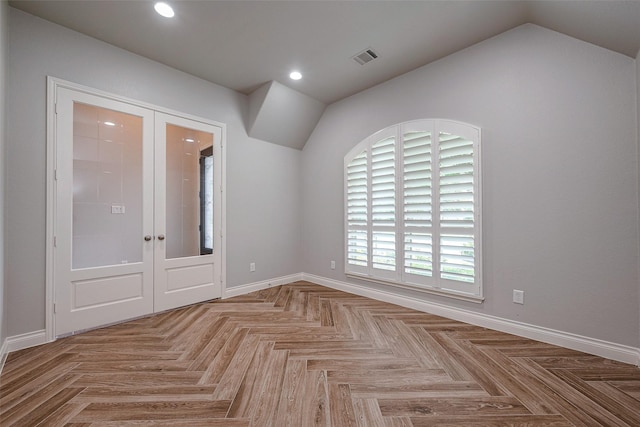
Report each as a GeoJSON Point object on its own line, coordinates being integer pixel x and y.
{"type": "Point", "coordinates": [53, 84]}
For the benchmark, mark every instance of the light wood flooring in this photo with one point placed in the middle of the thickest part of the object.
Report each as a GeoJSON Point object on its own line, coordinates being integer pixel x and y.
{"type": "Point", "coordinates": [305, 355]}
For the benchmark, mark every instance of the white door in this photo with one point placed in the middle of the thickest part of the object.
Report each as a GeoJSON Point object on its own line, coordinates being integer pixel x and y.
{"type": "Point", "coordinates": [103, 267]}
{"type": "Point", "coordinates": [188, 174]}
{"type": "Point", "coordinates": [137, 211]}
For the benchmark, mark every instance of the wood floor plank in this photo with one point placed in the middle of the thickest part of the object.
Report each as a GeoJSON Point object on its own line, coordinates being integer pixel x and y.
{"type": "Point", "coordinates": [20, 362]}
{"type": "Point", "coordinates": [265, 401]}
{"type": "Point", "coordinates": [579, 362]}
{"type": "Point", "coordinates": [573, 405]}
{"type": "Point", "coordinates": [444, 389]}
{"type": "Point", "coordinates": [42, 409]}
{"type": "Point", "coordinates": [132, 411]}
{"type": "Point", "coordinates": [63, 414]}
{"type": "Point", "coordinates": [248, 384]}
{"type": "Point", "coordinates": [33, 398]}
{"type": "Point", "coordinates": [326, 314]}
{"type": "Point", "coordinates": [630, 405]}
{"type": "Point", "coordinates": [145, 394]}
{"type": "Point", "coordinates": [224, 358]}
{"type": "Point", "coordinates": [208, 354]}
{"type": "Point", "coordinates": [397, 421]}
{"type": "Point", "coordinates": [56, 366]}
{"type": "Point", "coordinates": [185, 422]}
{"type": "Point", "coordinates": [456, 361]}
{"type": "Point", "coordinates": [471, 406]}
{"type": "Point", "coordinates": [614, 406]}
{"type": "Point", "coordinates": [510, 377]}
{"type": "Point", "coordinates": [435, 354]}
{"type": "Point", "coordinates": [234, 371]}
{"type": "Point", "coordinates": [315, 397]}
{"type": "Point", "coordinates": [289, 409]}
{"type": "Point", "coordinates": [368, 413]}
{"type": "Point", "coordinates": [341, 405]}
{"type": "Point", "coordinates": [37, 384]}
{"type": "Point", "coordinates": [210, 326]}
{"type": "Point", "coordinates": [138, 379]}
{"type": "Point", "coordinates": [534, 393]}
{"type": "Point", "coordinates": [492, 421]}
{"type": "Point", "coordinates": [305, 355]}
{"type": "Point", "coordinates": [631, 388]}
{"type": "Point", "coordinates": [115, 355]}
{"type": "Point", "coordinates": [313, 308]}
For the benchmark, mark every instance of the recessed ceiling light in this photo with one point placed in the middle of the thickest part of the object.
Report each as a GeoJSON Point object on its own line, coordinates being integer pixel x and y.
{"type": "Point", "coordinates": [189, 140]}
{"type": "Point", "coordinates": [109, 123]}
{"type": "Point", "coordinates": [295, 75]}
{"type": "Point", "coordinates": [164, 9]}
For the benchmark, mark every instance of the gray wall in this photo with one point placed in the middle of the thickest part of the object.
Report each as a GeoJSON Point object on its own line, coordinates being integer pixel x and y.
{"type": "Point", "coordinates": [4, 11]}
{"type": "Point", "coordinates": [263, 190]}
{"type": "Point", "coordinates": [560, 171]}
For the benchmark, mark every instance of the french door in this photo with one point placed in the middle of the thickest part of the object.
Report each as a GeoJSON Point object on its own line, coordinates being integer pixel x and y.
{"type": "Point", "coordinates": [184, 213]}
{"type": "Point", "coordinates": [137, 211]}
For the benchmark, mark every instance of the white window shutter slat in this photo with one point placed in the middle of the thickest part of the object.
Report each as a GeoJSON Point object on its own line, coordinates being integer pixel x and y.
{"type": "Point", "coordinates": [357, 211]}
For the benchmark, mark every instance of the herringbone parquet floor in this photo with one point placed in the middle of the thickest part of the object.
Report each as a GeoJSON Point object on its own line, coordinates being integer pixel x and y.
{"type": "Point", "coordinates": [304, 355]}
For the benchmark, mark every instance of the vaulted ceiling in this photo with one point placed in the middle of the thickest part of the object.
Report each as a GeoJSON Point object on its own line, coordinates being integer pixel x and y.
{"type": "Point", "coordinates": [244, 44]}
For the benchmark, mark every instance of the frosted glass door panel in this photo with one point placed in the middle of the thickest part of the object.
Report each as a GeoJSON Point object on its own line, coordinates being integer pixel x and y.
{"type": "Point", "coordinates": [107, 187]}
{"type": "Point", "coordinates": [189, 192]}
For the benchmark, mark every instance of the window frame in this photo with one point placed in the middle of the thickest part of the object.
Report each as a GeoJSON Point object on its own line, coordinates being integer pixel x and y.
{"type": "Point", "coordinates": [434, 284]}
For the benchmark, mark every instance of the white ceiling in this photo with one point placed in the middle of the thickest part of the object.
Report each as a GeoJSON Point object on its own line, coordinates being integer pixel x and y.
{"type": "Point", "coordinates": [243, 44]}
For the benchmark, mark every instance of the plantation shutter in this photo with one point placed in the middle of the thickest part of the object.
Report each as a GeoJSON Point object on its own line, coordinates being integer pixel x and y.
{"type": "Point", "coordinates": [357, 212]}
{"type": "Point", "coordinates": [412, 197]}
{"type": "Point", "coordinates": [457, 208]}
{"type": "Point", "coordinates": [417, 204]}
{"type": "Point", "coordinates": [383, 205]}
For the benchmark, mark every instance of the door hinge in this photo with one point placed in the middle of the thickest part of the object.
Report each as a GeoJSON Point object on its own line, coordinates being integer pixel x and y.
{"type": "Point", "coordinates": [55, 307]}
{"type": "Point", "coordinates": [55, 242]}
{"type": "Point", "coordinates": [55, 174]}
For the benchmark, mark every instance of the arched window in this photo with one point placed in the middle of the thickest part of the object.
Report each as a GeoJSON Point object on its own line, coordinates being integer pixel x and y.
{"type": "Point", "coordinates": [412, 208]}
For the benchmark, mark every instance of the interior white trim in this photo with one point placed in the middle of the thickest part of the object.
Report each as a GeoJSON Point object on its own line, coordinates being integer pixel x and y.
{"type": "Point", "coordinates": [609, 350]}
{"type": "Point", "coordinates": [606, 349]}
{"type": "Point", "coordinates": [3, 354]}
{"type": "Point", "coordinates": [258, 286]}
{"type": "Point", "coordinates": [29, 339]}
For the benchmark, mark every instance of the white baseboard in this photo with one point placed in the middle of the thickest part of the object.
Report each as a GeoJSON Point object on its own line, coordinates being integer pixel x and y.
{"type": "Point", "coordinates": [3, 354]}
{"type": "Point", "coordinates": [609, 350]}
{"type": "Point", "coordinates": [258, 286]}
{"type": "Point", "coordinates": [22, 341]}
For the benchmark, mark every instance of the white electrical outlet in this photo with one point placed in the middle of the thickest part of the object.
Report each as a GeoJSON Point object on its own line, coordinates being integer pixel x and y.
{"type": "Point", "coordinates": [252, 267]}
{"type": "Point", "coordinates": [518, 296]}
{"type": "Point", "coordinates": [333, 265]}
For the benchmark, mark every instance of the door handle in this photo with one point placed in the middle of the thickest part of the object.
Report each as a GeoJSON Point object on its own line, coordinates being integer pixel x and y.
{"type": "Point", "coordinates": [147, 238]}
{"type": "Point", "coordinates": [161, 237]}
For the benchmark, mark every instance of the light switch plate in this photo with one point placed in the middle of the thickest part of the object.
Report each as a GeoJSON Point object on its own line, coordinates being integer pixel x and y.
{"type": "Point", "coordinates": [117, 209]}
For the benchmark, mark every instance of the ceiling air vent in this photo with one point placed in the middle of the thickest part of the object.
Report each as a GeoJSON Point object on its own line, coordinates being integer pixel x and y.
{"type": "Point", "coordinates": [365, 56]}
